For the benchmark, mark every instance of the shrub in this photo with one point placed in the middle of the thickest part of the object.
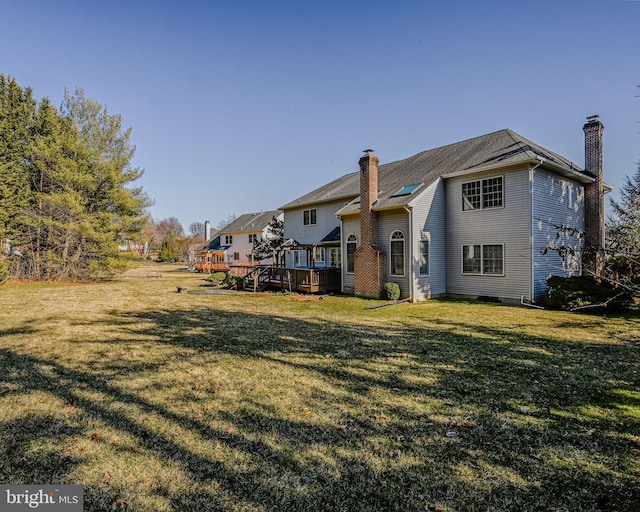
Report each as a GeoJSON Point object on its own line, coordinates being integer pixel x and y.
{"type": "Point", "coordinates": [217, 279]}
{"type": "Point", "coordinates": [570, 293]}
{"type": "Point", "coordinates": [239, 282]}
{"type": "Point", "coordinates": [392, 290]}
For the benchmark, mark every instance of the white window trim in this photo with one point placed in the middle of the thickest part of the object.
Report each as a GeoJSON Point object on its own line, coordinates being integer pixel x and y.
{"type": "Point", "coordinates": [337, 259]}
{"type": "Point", "coordinates": [321, 251]}
{"type": "Point", "coordinates": [482, 273]}
{"type": "Point", "coordinates": [404, 253]}
{"type": "Point", "coordinates": [425, 236]}
{"type": "Point", "coordinates": [316, 215]}
{"type": "Point", "coordinates": [346, 254]}
{"type": "Point", "coordinates": [482, 208]}
{"type": "Point", "coordinates": [572, 195]}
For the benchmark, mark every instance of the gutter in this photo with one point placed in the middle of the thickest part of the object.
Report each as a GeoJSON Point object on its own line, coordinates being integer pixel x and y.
{"type": "Point", "coordinates": [538, 160]}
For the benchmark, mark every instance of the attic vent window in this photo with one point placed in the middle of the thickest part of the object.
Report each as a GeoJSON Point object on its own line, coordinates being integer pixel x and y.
{"type": "Point", "coordinates": [406, 190]}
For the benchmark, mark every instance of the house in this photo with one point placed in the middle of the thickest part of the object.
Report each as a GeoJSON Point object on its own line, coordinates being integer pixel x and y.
{"type": "Point", "coordinates": [490, 217]}
{"type": "Point", "coordinates": [312, 223]}
{"type": "Point", "coordinates": [229, 248]}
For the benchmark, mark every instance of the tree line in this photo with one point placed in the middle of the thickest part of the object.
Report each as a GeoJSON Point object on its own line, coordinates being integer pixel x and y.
{"type": "Point", "coordinates": [67, 193]}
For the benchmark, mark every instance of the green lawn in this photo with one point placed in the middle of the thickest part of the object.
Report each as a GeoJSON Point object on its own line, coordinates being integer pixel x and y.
{"type": "Point", "coordinates": [157, 401]}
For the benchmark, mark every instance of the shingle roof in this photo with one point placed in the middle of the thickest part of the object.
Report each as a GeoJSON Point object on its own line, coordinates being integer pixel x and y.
{"type": "Point", "coordinates": [345, 187]}
{"type": "Point", "coordinates": [497, 149]}
{"type": "Point", "coordinates": [250, 222]}
{"type": "Point", "coordinates": [332, 237]}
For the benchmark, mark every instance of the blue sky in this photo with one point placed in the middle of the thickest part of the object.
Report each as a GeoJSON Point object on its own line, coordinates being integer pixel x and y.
{"type": "Point", "coordinates": [241, 106]}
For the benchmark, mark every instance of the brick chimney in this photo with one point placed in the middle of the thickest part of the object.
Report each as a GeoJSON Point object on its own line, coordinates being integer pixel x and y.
{"type": "Point", "coordinates": [594, 197]}
{"type": "Point", "coordinates": [368, 196]}
{"type": "Point", "coordinates": [369, 260]}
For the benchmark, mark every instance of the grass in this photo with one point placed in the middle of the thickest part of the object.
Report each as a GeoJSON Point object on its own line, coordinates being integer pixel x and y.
{"type": "Point", "coordinates": [157, 401]}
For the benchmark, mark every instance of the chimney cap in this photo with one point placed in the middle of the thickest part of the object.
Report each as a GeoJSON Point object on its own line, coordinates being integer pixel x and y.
{"type": "Point", "coordinates": [593, 118]}
{"type": "Point", "coordinates": [368, 151]}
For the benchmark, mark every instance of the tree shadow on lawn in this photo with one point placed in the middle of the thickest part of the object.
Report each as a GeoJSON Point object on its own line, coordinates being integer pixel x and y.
{"type": "Point", "coordinates": [29, 452]}
{"type": "Point", "coordinates": [382, 403]}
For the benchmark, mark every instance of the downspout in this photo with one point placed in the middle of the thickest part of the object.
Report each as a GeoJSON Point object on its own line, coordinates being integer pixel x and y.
{"type": "Point", "coordinates": [533, 261]}
{"type": "Point", "coordinates": [342, 254]}
{"type": "Point", "coordinates": [411, 279]}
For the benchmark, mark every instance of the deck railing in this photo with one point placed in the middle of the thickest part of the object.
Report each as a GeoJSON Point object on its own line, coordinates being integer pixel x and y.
{"type": "Point", "coordinates": [307, 280]}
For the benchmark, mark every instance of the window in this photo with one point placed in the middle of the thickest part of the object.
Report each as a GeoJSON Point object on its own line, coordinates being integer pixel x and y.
{"type": "Point", "coordinates": [492, 260]}
{"type": "Point", "coordinates": [228, 240]}
{"type": "Point", "coordinates": [572, 195]}
{"type": "Point", "coordinates": [236, 256]}
{"type": "Point", "coordinates": [471, 195]}
{"type": "Point", "coordinates": [319, 255]}
{"type": "Point", "coordinates": [424, 255]}
{"type": "Point", "coordinates": [471, 261]}
{"type": "Point", "coordinates": [406, 190]}
{"type": "Point", "coordinates": [481, 194]}
{"type": "Point", "coordinates": [296, 258]}
{"type": "Point", "coordinates": [309, 217]}
{"type": "Point", "coordinates": [352, 242]}
{"type": "Point", "coordinates": [334, 257]}
{"type": "Point", "coordinates": [397, 253]}
{"type": "Point", "coordinates": [483, 259]}
{"type": "Point", "coordinates": [253, 238]}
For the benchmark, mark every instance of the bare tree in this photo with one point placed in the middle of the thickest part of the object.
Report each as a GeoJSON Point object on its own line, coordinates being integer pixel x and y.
{"type": "Point", "coordinates": [226, 221]}
{"type": "Point", "coordinates": [196, 230]}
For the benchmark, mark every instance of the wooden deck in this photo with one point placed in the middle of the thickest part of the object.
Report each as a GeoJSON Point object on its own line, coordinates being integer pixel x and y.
{"type": "Point", "coordinates": [304, 280]}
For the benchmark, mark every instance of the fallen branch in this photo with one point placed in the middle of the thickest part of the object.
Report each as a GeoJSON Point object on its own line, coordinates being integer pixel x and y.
{"type": "Point", "coordinates": [388, 304]}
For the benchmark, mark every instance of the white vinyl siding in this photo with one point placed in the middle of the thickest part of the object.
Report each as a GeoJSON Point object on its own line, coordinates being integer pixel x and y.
{"type": "Point", "coordinates": [311, 234]}
{"type": "Point", "coordinates": [508, 226]}
{"type": "Point", "coordinates": [557, 202]}
{"type": "Point", "coordinates": [428, 210]}
{"type": "Point", "coordinates": [388, 222]}
{"type": "Point", "coordinates": [350, 226]}
{"type": "Point", "coordinates": [326, 221]}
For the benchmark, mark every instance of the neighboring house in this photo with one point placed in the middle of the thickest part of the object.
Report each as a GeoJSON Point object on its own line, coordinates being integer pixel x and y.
{"type": "Point", "coordinates": [231, 245]}
{"type": "Point", "coordinates": [490, 217]}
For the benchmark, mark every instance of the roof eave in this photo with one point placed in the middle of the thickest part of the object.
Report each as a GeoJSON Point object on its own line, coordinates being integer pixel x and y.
{"type": "Point", "coordinates": [291, 206]}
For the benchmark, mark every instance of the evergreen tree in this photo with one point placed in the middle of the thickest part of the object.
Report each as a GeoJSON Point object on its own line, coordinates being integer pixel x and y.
{"type": "Point", "coordinates": [264, 247]}
{"type": "Point", "coordinates": [66, 199]}
{"type": "Point", "coordinates": [623, 237]}
{"type": "Point", "coordinates": [17, 112]}
{"type": "Point", "coordinates": [623, 229]}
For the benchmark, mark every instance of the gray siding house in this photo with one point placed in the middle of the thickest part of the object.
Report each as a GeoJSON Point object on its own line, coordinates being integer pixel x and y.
{"type": "Point", "coordinates": [491, 216]}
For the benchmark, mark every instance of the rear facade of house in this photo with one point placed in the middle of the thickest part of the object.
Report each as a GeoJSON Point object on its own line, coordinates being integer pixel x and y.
{"type": "Point", "coordinates": [491, 217]}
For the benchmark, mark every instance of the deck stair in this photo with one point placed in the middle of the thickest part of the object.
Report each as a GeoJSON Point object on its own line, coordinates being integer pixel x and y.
{"type": "Point", "coordinates": [257, 279]}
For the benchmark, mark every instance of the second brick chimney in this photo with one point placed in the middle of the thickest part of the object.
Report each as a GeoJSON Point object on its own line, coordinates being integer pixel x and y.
{"type": "Point", "coordinates": [593, 197]}
{"type": "Point", "coordinates": [369, 260]}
